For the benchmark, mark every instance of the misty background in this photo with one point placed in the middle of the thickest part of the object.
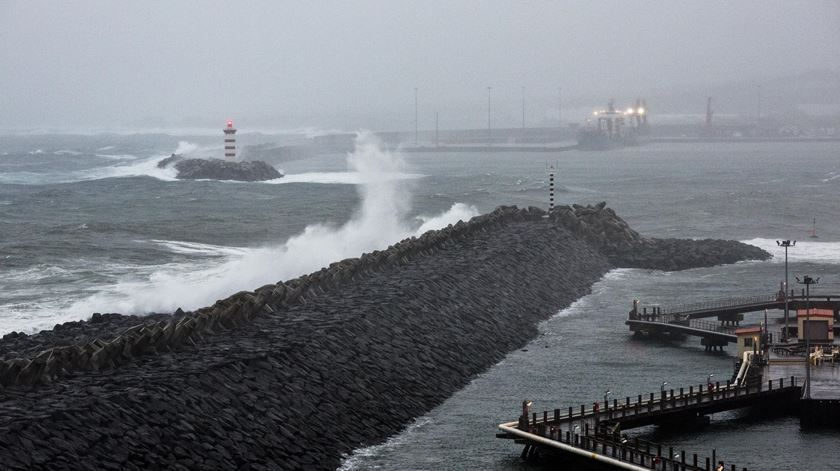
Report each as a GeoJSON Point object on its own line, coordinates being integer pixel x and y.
{"type": "Point", "coordinates": [271, 65]}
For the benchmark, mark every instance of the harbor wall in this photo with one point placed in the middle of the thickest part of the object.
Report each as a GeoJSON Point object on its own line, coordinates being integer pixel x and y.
{"type": "Point", "coordinates": [293, 375]}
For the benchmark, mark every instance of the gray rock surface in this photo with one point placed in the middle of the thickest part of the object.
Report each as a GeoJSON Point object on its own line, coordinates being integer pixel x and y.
{"type": "Point", "coordinates": [218, 169]}
{"type": "Point", "coordinates": [294, 374]}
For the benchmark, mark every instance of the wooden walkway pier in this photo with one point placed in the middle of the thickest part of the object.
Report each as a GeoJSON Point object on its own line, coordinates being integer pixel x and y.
{"type": "Point", "coordinates": [593, 434]}
{"type": "Point", "coordinates": [728, 309]}
{"type": "Point", "coordinates": [686, 319]}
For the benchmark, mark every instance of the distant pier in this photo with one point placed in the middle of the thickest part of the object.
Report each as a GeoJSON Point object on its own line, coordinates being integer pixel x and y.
{"type": "Point", "coordinates": [685, 319]}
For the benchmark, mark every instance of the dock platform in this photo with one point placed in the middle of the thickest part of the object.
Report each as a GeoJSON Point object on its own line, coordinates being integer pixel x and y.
{"type": "Point", "coordinates": [689, 319]}
{"type": "Point", "coordinates": [594, 433]}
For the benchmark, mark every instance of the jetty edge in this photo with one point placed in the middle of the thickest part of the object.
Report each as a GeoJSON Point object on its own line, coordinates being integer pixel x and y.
{"type": "Point", "coordinates": [299, 373]}
{"type": "Point", "coordinates": [218, 169]}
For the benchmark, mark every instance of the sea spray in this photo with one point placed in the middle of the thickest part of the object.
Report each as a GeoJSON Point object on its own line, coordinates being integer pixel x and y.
{"type": "Point", "coordinates": [381, 219]}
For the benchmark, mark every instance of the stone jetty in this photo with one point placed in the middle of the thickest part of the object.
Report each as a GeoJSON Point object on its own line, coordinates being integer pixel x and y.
{"type": "Point", "coordinates": [293, 375]}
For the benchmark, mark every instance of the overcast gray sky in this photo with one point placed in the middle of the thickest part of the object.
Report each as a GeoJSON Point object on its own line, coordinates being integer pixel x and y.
{"type": "Point", "coordinates": [355, 64]}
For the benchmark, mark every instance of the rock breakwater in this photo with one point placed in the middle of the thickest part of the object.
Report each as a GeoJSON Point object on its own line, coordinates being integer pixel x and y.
{"type": "Point", "coordinates": [294, 374]}
{"type": "Point", "coordinates": [217, 169]}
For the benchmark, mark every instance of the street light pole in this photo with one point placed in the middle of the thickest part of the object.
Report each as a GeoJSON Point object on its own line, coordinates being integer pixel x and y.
{"type": "Point", "coordinates": [560, 106]}
{"type": "Point", "coordinates": [786, 244]}
{"type": "Point", "coordinates": [416, 123]}
{"type": "Point", "coordinates": [807, 281]}
{"type": "Point", "coordinates": [488, 115]}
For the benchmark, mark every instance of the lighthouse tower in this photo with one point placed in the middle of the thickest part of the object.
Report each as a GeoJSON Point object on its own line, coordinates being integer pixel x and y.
{"type": "Point", "coordinates": [230, 141]}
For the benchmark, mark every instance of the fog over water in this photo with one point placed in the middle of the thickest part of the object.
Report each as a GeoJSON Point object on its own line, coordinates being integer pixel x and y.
{"type": "Point", "coordinates": [95, 93]}
{"type": "Point", "coordinates": [162, 65]}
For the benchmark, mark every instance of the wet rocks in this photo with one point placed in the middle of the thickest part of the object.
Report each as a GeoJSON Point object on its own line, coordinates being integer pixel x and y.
{"type": "Point", "coordinates": [626, 248]}
{"type": "Point", "coordinates": [217, 169]}
{"type": "Point", "coordinates": [294, 374]}
{"type": "Point", "coordinates": [172, 159]}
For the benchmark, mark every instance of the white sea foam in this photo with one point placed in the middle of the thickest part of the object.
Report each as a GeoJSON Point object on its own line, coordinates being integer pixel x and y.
{"type": "Point", "coordinates": [67, 152]}
{"type": "Point", "coordinates": [381, 220]}
{"type": "Point", "coordinates": [831, 176]}
{"type": "Point", "coordinates": [139, 168]}
{"type": "Point", "coordinates": [342, 178]}
{"type": "Point", "coordinates": [185, 147]}
{"type": "Point", "coordinates": [195, 248]}
{"type": "Point", "coordinates": [359, 456]}
{"type": "Point", "coordinates": [458, 212]}
{"type": "Point", "coordinates": [804, 251]}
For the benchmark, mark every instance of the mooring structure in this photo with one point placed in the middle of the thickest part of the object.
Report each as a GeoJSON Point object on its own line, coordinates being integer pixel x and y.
{"type": "Point", "coordinates": [694, 319]}
{"type": "Point", "coordinates": [594, 435]}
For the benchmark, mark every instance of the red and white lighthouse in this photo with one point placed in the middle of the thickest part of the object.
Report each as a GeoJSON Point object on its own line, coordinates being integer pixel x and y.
{"type": "Point", "coordinates": [230, 141]}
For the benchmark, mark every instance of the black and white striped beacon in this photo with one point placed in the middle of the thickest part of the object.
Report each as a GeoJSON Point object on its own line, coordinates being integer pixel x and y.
{"type": "Point", "coordinates": [550, 189]}
{"type": "Point", "coordinates": [230, 141]}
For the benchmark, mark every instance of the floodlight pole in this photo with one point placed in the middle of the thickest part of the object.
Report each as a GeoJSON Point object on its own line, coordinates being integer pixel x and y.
{"type": "Point", "coordinates": [786, 244]}
{"type": "Point", "coordinates": [807, 281]}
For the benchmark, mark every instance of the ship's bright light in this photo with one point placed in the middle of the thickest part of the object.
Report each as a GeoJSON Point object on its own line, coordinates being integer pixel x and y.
{"type": "Point", "coordinates": [630, 110]}
{"type": "Point", "coordinates": [641, 111]}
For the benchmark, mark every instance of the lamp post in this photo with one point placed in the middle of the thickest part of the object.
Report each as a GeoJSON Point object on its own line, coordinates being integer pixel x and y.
{"type": "Point", "coordinates": [807, 281]}
{"type": "Point", "coordinates": [560, 106]}
{"type": "Point", "coordinates": [786, 244]}
{"type": "Point", "coordinates": [489, 126]}
{"type": "Point", "coordinates": [416, 123]}
{"type": "Point", "coordinates": [662, 388]}
{"type": "Point", "coordinates": [607, 399]}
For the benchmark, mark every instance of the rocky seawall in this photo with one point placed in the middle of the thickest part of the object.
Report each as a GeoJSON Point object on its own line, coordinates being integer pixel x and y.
{"type": "Point", "coordinates": [217, 169]}
{"type": "Point", "coordinates": [295, 374]}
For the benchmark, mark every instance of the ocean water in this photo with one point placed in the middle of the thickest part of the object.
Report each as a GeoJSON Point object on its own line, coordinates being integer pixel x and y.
{"type": "Point", "coordinates": [89, 224]}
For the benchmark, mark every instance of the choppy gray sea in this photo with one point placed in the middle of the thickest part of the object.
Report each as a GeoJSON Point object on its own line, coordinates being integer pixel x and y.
{"type": "Point", "coordinates": [89, 224]}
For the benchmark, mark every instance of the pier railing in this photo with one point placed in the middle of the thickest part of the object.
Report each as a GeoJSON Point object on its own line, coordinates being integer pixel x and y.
{"type": "Point", "coordinates": [677, 310]}
{"type": "Point", "coordinates": [711, 326]}
{"type": "Point", "coordinates": [718, 304]}
{"type": "Point", "coordinates": [596, 429]}
{"type": "Point", "coordinates": [664, 401]}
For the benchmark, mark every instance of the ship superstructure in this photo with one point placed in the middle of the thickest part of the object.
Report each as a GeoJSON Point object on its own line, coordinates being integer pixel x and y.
{"type": "Point", "coordinates": [611, 128]}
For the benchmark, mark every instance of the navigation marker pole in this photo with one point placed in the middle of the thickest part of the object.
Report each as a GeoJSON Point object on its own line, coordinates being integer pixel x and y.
{"type": "Point", "coordinates": [550, 189]}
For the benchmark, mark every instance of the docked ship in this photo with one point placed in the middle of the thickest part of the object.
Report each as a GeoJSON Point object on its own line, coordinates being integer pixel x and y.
{"type": "Point", "coordinates": [611, 128]}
